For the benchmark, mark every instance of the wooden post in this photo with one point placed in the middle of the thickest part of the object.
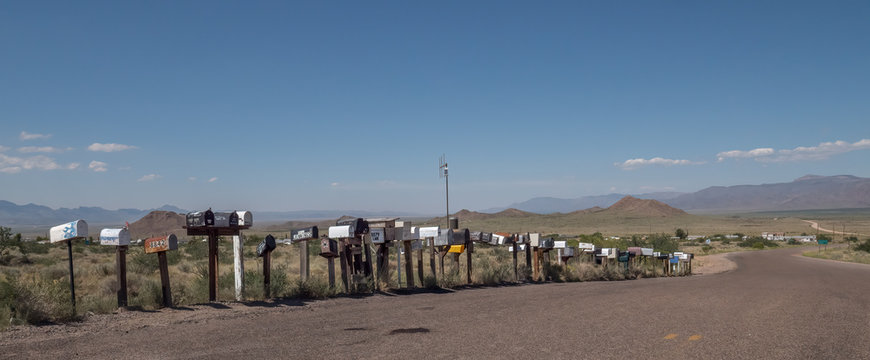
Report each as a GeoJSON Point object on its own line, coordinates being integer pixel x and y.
{"type": "Point", "coordinates": [239, 266]}
{"type": "Point", "coordinates": [529, 255]}
{"type": "Point", "coordinates": [456, 263]}
{"type": "Point", "coordinates": [516, 270]}
{"type": "Point", "coordinates": [267, 273]}
{"type": "Point", "coordinates": [468, 250]}
{"type": "Point", "coordinates": [382, 257]}
{"type": "Point", "coordinates": [304, 267]}
{"type": "Point", "coordinates": [72, 278]}
{"type": "Point", "coordinates": [164, 279]}
{"type": "Point", "coordinates": [367, 251]}
{"type": "Point", "coordinates": [432, 257]}
{"type": "Point", "coordinates": [343, 259]}
{"type": "Point", "coordinates": [536, 260]}
{"type": "Point", "coordinates": [398, 265]}
{"type": "Point", "coordinates": [330, 266]}
{"type": "Point", "coordinates": [420, 266]}
{"type": "Point", "coordinates": [121, 270]}
{"type": "Point", "coordinates": [409, 265]}
{"type": "Point", "coordinates": [212, 265]}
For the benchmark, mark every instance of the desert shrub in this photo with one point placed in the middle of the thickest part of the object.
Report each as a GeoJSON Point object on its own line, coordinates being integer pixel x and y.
{"type": "Point", "coordinates": [196, 249]}
{"type": "Point", "coordinates": [451, 279]}
{"type": "Point", "coordinates": [36, 299]}
{"type": "Point", "coordinates": [553, 272]}
{"type": "Point", "coordinates": [865, 246]}
{"type": "Point", "coordinates": [493, 272]}
{"type": "Point", "coordinates": [757, 242]}
{"type": "Point", "coordinates": [314, 288]}
{"type": "Point", "coordinates": [430, 282]}
{"type": "Point", "coordinates": [792, 242]}
{"type": "Point", "coordinates": [706, 248]}
{"type": "Point", "coordinates": [142, 263]}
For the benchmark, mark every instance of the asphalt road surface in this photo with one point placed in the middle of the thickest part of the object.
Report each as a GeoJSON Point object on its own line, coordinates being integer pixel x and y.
{"type": "Point", "coordinates": [775, 305]}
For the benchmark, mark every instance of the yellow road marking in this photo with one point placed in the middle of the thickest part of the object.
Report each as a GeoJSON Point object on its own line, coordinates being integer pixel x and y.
{"type": "Point", "coordinates": [694, 337]}
{"type": "Point", "coordinates": [671, 336]}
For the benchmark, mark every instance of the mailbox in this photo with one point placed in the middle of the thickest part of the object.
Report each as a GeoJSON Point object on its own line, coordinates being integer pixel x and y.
{"type": "Point", "coordinates": [341, 232]}
{"type": "Point", "coordinates": [586, 247]}
{"type": "Point", "coordinates": [634, 250]}
{"type": "Point", "coordinates": [674, 260]}
{"type": "Point", "coordinates": [161, 243]}
{"type": "Point", "coordinates": [683, 256]}
{"type": "Point", "coordinates": [609, 253]}
{"type": "Point", "coordinates": [226, 219]}
{"type": "Point", "coordinates": [429, 232]}
{"type": "Point", "coordinates": [411, 233]}
{"type": "Point", "coordinates": [117, 237]}
{"type": "Point", "coordinates": [328, 248]}
{"type": "Point", "coordinates": [568, 252]}
{"type": "Point", "coordinates": [417, 245]}
{"type": "Point", "coordinates": [200, 219]}
{"type": "Point", "coordinates": [460, 237]}
{"type": "Point", "coordinates": [267, 245]}
{"type": "Point", "coordinates": [535, 240]}
{"type": "Point", "coordinates": [656, 254]}
{"type": "Point", "coordinates": [444, 238]}
{"type": "Point", "coordinates": [521, 238]}
{"type": "Point", "coordinates": [377, 234]}
{"type": "Point", "coordinates": [475, 236]}
{"type": "Point", "coordinates": [547, 243]}
{"type": "Point", "coordinates": [304, 234]}
{"type": "Point", "coordinates": [457, 249]}
{"type": "Point", "coordinates": [487, 238]}
{"type": "Point", "coordinates": [360, 226]}
{"type": "Point", "coordinates": [246, 219]}
{"type": "Point", "coordinates": [70, 231]}
{"type": "Point", "coordinates": [560, 245]}
{"type": "Point", "coordinates": [646, 251]}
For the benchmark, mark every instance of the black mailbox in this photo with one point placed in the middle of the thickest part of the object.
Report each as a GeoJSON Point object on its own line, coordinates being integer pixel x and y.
{"type": "Point", "coordinates": [226, 219]}
{"type": "Point", "coordinates": [304, 234]}
{"type": "Point", "coordinates": [267, 245]}
{"type": "Point", "coordinates": [360, 225]}
{"type": "Point", "coordinates": [200, 219]}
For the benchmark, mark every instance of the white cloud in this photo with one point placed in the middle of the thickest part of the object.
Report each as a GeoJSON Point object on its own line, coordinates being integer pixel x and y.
{"type": "Point", "coordinates": [213, 179]}
{"type": "Point", "coordinates": [192, 178]}
{"type": "Point", "coordinates": [744, 154]}
{"type": "Point", "coordinates": [109, 147]}
{"type": "Point", "coordinates": [149, 177]}
{"type": "Point", "coordinates": [12, 165]}
{"type": "Point", "coordinates": [98, 166]}
{"type": "Point", "coordinates": [3, 148]}
{"type": "Point", "coordinates": [28, 136]}
{"type": "Point", "coordinates": [42, 149]}
{"type": "Point", "coordinates": [335, 184]}
{"type": "Point", "coordinates": [632, 164]}
{"type": "Point", "coordinates": [801, 153]}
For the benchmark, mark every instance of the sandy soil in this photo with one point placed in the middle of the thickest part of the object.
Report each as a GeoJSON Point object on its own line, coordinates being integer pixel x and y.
{"type": "Point", "coordinates": [712, 264]}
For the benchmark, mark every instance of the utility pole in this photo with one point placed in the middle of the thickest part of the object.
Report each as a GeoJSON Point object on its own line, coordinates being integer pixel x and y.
{"type": "Point", "coordinates": [442, 172]}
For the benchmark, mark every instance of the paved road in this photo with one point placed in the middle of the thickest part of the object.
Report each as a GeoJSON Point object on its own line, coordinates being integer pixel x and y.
{"type": "Point", "coordinates": [774, 306]}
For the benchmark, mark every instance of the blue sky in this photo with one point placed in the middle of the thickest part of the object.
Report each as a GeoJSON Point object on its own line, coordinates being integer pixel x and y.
{"type": "Point", "coordinates": [348, 105]}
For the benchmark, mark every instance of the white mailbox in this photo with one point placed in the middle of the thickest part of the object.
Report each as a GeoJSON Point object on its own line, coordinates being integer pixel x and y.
{"type": "Point", "coordinates": [341, 232]}
{"type": "Point", "coordinates": [245, 218]}
{"type": "Point", "coordinates": [497, 239]}
{"type": "Point", "coordinates": [646, 251]}
{"type": "Point", "coordinates": [117, 237]}
{"type": "Point", "coordinates": [429, 232]}
{"type": "Point", "coordinates": [535, 240]}
{"type": "Point", "coordinates": [586, 247]}
{"type": "Point", "coordinates": [377, 235]}
{"type": "Point", "coordinates": [559, 245]}
{"type": "Point", "coordinates": [70, 231]}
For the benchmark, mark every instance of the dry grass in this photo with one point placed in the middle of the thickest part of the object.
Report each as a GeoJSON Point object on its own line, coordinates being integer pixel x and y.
{"type": "Point", "coordinates": [840, 254]}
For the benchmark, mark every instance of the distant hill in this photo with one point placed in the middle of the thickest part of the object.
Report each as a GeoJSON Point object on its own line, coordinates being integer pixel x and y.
{"type": "Point", "coordinates": [633, 206]}
{"type": "Point", "coordinates": [158, 223]}
{"type": "Point", "coordinates": [811, 192]}
{"type": "Point", "coordinates": [549, 205]}
{"type": "Point", "coordinates": [31, 214]}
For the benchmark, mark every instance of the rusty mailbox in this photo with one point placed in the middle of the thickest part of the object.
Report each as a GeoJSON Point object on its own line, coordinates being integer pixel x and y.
{"type": "Point", "coordinates": [161, 243]}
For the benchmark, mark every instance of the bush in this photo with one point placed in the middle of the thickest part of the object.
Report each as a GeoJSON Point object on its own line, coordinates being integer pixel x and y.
{"type": "Point", "coordinates": [865, 246]}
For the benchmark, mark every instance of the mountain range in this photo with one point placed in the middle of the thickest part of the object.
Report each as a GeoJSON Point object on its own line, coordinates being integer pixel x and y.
{"type": "Point", "coordinates": [811, 192]}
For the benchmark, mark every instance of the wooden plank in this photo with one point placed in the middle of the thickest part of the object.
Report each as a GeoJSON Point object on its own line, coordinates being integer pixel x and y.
{"type": "Point", "coordinates": [330, 266]}
{"type": "Point", "coordinates": [432, 258]}
{"type": "Point", "coordinates": [121, 271]}
{"type": "Point", "coordinates": [382, 256]}
{"type": "Point", "coordinates": [420, 266]}
{"type": "Point", "coordinates": [164, 279]}
{"type": "Point", "coordinates": [343, 255]}
{"type": "Point", "coordinates": [367, 251]}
